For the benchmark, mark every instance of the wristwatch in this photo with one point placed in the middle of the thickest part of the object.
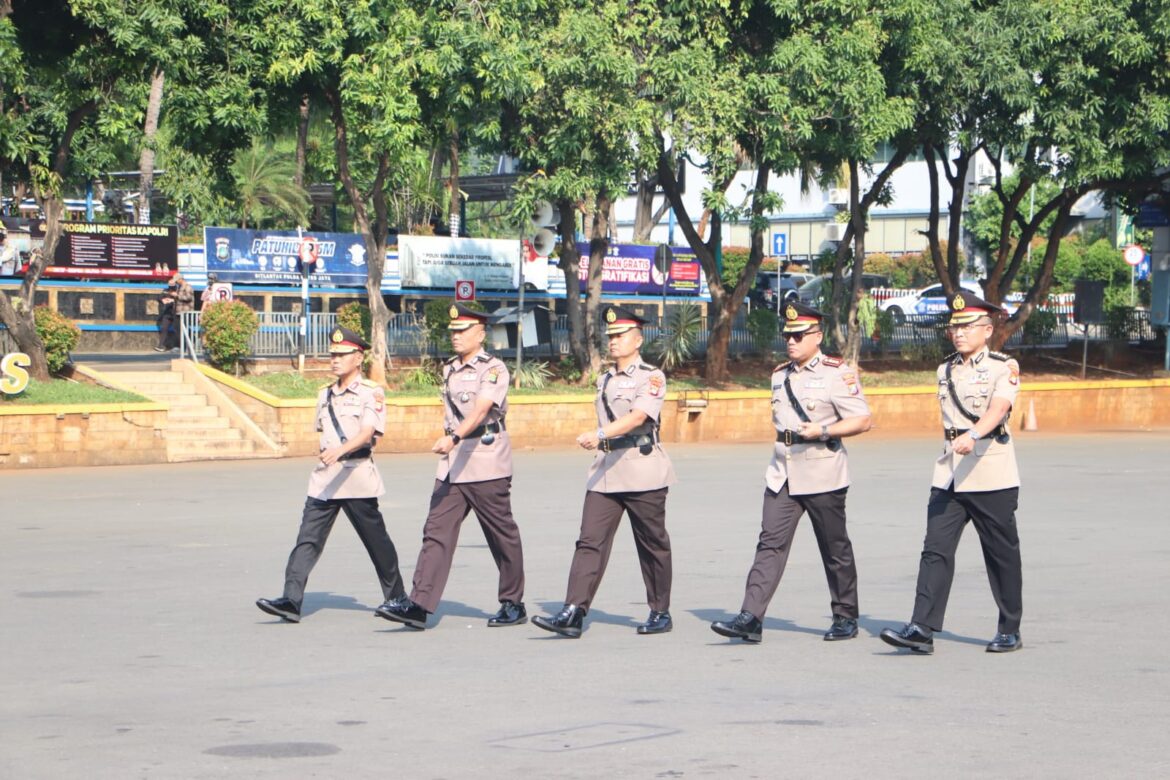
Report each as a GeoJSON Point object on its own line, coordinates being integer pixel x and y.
{"type": "Point", "coordinates": [824, 433]}
{"type": "Point", "coordinates": [601, 434]}
{"type": "Point", "coordinates": [974, 436]}
{"type": "Point", "coordinates": [455, 438]}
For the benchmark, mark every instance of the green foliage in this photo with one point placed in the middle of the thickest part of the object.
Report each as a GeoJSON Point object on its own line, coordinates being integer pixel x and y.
{"type": "Point", "coordinates": [64, 391]}
{"type": "Point", "coordinates": [1040, 327]}
{"type": "Point", "coordinates": [763, 325]}
{"type": "Point", "coordinates": [290, 384]}
{"type": "Point", "coordinates": [735, 260]}
{"type": "Point", "coordinates": [59, 335]}
{"type": "Point", "coordinates": [1118, 320]}
{"type": "Point", "coordinates": [929, 351]}
{"type": "Point", "coordinates": [423, 376]}
{"type": "Point", "coordinates": [907, 271]}
{"type": "Point", "coordinates": [436, 318]}
{"type": "Point", "coordinates": [533, 374]}
{"type": "Point", "coordinates": [884, 326]}
{"type": "Point", "coordinates": [867, 315]}
{"type": "Point", "coordinates": [677, 344]}
{"type": "Point", "coordinates": [355, 316]}
{"type": "Point", "coordinates": [226, 328]}
{"type": "Point", "coordinates": [265, 190]}
{"type": "Point", "coordinates": [568, 369]}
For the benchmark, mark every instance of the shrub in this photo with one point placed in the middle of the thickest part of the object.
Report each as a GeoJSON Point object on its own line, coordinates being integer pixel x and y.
{"type": "Point", "coordinates": [568, 369]}
{"type": "Point", "coordinates": [423, 376]}
{"type": "Point", "coordinates": [1039, 327]}
{"type": "Point", "coordinates": [535, 375]}
{"type": "Point", "coordinates": [59, 335]}
{"type": "Point", "coordinates": [356, 316]}
{"type": "Point", "coordinates": [763, 325]}
{"type": "Point", "coordinates": [675, 346]}
{"type": "Point", "coordinates": [227, 327]}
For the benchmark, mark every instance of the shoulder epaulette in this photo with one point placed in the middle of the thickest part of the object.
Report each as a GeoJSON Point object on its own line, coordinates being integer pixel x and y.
{"type": "Point", "coordinates": [833, 362]}
{"type": "Point", "coordinates": [647, 367]}
{"type": "Point", "coordinates": [325, 387]}
{"type": "Point", "coordinates": [950, 357]}
{"type": "Point", "coordinates": [782, 366]}
{"type": "Point", "coordinates": [483, 357]}
{"type": "Point", "coordinates": [451, 360]}
{"type": "Point", "coordinates": [369, 382]}
{"type": "Point", "coordinates": [998, 356]}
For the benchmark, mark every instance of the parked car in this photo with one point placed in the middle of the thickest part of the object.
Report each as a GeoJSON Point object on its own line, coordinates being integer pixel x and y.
{"type": "Point", "coordinates": [927, 301]}
{"type": "Point", "coordinates": [811, 292]}
{"type": "Point", "coordinates": [763, 292]}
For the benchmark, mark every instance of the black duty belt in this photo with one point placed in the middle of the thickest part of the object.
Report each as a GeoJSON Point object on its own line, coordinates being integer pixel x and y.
{"type": "Point", "coordinates": [643, 441]}
{"type": "Point", "coordinates": [364, 452]}
{"type": "Point", "coordinates": [999, 433]}
{"type": "Point", "coordinates": [491, 428]}
{"type": "Point", "coordinates": [788, 438]}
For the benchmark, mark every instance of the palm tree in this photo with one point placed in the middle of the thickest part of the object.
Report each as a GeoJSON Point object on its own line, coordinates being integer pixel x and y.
{"type": "Point", "coordinates": [266, 188]}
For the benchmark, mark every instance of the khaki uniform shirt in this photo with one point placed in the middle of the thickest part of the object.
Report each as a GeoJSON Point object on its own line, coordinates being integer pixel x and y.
{"type": "Point", "coordinates": [184, 298]}
{"type": "Point", "coordinates": [991, 466]}
{"type": "Point", "coordinates": [361, 404]}
{"type": "Point", "coordinates": [473, 460]}
{"type": "Point", "coordinates": [828, 390]}
{"type": "Point", "coordinates": [640, 387]}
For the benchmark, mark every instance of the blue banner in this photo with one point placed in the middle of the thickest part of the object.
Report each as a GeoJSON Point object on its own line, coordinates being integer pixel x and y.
{"type": "Point", "coordinates": [628, 269]}
{"type": "Point", "coordinates": [277, 256]}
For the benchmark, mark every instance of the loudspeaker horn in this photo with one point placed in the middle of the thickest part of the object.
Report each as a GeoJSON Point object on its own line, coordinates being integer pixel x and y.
{"type": "Point", "coordinates": [544, 242]}
{"type": "Point", "coordinates": [544, 214]}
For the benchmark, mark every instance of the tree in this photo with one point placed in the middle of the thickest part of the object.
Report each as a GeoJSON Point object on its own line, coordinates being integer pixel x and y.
{"type": "Point", "coordinates": [266, 186]}
{"type": "Point", "coordinates": [74, 76]}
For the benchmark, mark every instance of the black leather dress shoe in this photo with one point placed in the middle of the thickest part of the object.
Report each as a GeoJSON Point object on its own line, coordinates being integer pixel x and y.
{"type": "Point", "coordinates": [657, 623]}
{"type": "Point", "coordinates": [746, 626]}
{"type": "Point", "coordinates": [1005, 643]}
{"type": "Point", "coordinates": [282, 608]}
{"type": "Point", "coordinates": [567, 622]}
{"type": "Point", "coordinates": [911, 637]}
{"type": "Point", "coordinates": [403, 610]}
{"type": "Point", "coordinates": [842, 628]}
{"type": "Point", "coordinates": [510, 614]}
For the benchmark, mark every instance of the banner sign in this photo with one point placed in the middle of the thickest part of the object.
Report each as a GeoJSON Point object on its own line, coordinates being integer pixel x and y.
{"type": "Point", "coordinates": [438, 262]}
{"type": "Point", "coordinates": [114, 251]}
{"type": "Point", "coordinates": [279, 256]}
{"type": "Point", "coordinates": [629, 269]}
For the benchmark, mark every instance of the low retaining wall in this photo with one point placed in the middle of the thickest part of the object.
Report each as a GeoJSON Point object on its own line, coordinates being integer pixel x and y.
{"type": "Point", "coordinates": [82, 435]}
{"type": "Point", "coordinates": [413, 424]}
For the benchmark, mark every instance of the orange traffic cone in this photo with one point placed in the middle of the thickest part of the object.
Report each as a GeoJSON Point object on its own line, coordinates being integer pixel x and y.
{"type": "Point", "coordinates": [1030, 417]}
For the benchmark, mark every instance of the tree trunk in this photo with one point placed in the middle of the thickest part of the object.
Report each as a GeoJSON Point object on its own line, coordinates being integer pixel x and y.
{"type": "Point", "coordinates": [598, 249]}
{"type": "Point", "coordinates": [302, 140]}
{"type": "Point", "coordinates": [453, 181]}
{"type": "Point", "coordinates": [18, 315]}
{"type": "Point", "coordinates": [1039, 289]}
{"type": "Point", "coordinates": [146, 159]}
{"type": "Point", "coordinates": [570, 263]}
{"type": "Point", "coordinates": [374, 235]}
{"type": "Point", "coordinates": [852, 344]}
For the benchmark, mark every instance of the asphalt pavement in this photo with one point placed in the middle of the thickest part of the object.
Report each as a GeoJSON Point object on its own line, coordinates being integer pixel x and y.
{"type": "Point", "coordinates": [131, 647]}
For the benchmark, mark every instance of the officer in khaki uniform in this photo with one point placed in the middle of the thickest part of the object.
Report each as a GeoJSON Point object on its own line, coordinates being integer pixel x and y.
{"type": "Point", "coordinates": [816, 401]}
{"type": "Point", "coordinates": [474, 472]}
{"type": "Point", "coordinates": [350, 416]}
{"type": "Point", "coordinates": [975, 478]}
{"type": "Point", "coordinates": [630, 474]}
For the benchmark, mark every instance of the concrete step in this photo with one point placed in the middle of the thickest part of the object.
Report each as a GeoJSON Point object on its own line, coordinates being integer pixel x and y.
{"type": "Point", "coordinates": [188, 435]}
{"type": "Point", "coordinates": [163, 390]}
{"type": "Point", "coordinates": [178, 452]}
{"type": "Point", "coordinates": [192, 413]}
{"type": "Point", "coordinates": [148, 377]}
{"type": "Point", "coordinates": [184, 401]}
{"type": "Point", "coordinates": [203, 422]}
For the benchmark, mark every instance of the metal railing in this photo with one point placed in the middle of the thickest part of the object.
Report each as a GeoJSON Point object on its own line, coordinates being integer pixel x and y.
{"type": "Point", "coordinates": [278, 334]}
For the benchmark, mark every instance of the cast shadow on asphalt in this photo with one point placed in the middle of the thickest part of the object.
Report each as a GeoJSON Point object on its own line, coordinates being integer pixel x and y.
{"type": "Point", "coordinates": [550, 608]}
{"type": "Point", "coordinates": [871, 626]}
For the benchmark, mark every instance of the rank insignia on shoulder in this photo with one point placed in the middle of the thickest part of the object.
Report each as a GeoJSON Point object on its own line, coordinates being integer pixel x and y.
{"type": "Point", "coordinates": [782, 366]}
{"type": "Point", "coordinates": [483, 357]}
{"type": "Point", "coordinates": [999, 356]}
{"type": "Point", "coordinates": [950, 357]}
{"type": "Point", "coordinates": [833, 362]}
{"type": "Point", "coordinates": [369, 382]}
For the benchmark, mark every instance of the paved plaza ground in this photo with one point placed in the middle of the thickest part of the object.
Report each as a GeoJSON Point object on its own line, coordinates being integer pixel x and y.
{"type": "Point", "coordinates": [131, 647]}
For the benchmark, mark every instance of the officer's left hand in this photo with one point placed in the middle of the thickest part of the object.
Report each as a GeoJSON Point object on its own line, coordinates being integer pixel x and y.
{"type": "Point", "coordinates": [588, 440]}
{"type": "Point", "coordinates": [810, 431]}
{"type": "Point", "coordinates": [443, 445]}
{"type": "Point", "coordinates": [964, 444]}
{"type": "Point", "coordinates": [329, 455]}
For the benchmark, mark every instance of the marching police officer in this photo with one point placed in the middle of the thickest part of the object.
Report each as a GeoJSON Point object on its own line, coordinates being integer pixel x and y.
{"type": "Point", "coordinates": [631, 473]}
{"type": "Point", "coordinates": [351, 415]}
{"type": "Point", "coordinates": [816, 401]}
{"type": "Point", "coordinates": [474, 472]}
{"type": "Point", "coordinates": [975, 479]}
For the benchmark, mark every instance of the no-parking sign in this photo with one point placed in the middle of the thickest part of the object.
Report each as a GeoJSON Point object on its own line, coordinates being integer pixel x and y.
{"type": "Point", "coordinates": [1134, 254]}
{"type": "Point", "coordinates": [464, 290]}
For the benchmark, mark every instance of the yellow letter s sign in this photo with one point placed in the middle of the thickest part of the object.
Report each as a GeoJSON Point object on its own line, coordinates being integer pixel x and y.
{"type": "Point", "coordinates": [13, 376]}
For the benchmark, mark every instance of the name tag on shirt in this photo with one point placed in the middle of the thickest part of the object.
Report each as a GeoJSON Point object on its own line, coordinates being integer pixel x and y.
{"type": "Point", "coordinates": [815, 384]}
{"type": "Point", "coordinates": [624, 384]}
